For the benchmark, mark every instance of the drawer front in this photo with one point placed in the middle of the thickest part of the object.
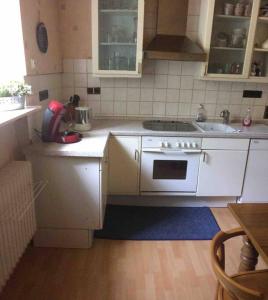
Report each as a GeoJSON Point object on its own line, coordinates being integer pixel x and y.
{"type": "Point", "coordinates": [259, 144]}
{"type": "Point", "coordinates": [225, 144]}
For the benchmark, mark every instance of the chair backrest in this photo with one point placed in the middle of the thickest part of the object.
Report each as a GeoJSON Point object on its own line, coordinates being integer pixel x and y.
{"type": "Point", "coordinates": [235, 290]}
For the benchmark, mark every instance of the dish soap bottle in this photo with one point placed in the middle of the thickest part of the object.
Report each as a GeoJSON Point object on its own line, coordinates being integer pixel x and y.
{"type": "Point", "coordinates": [201, 115]}
{"type": "Point", "coordinates": [247, 121]}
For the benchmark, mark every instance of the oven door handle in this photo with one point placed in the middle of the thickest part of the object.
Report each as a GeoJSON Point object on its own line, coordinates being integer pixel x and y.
{"type": "Point", "coordinates": [160, 150]}
{"type": "Point", "coordinates": [152, 150]}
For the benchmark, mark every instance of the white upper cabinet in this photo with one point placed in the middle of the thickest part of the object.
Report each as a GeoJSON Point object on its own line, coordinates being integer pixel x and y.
{"type": "Point", "coordinates": [233, 34]}
{"type": "Point", "coordinates": [117, 37]}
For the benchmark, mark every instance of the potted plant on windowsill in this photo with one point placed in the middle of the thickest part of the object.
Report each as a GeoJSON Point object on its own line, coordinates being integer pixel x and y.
{"type": "Point", "coordinates": [12, 95]}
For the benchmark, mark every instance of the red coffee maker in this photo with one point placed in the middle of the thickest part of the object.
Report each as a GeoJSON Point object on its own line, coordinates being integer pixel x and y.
{"type": "Point", "coordinates": [51, 125]}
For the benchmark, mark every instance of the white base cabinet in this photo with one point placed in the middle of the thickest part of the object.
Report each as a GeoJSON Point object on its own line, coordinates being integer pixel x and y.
{"type": "Point", "coordinates": [222, 167]}
{"type": "Point", "coordinates": [256, 179]}
{"type": "Point", "coordinates": [73, 203]}
{"type": "Point", "coordinates": [124, 165]}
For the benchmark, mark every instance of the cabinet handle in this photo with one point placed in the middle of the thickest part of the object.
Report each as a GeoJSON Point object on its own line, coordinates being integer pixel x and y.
{"type": "Point", "coordinates": [137, 155]}
{"type": "Point", "coordinates": [204, 156]}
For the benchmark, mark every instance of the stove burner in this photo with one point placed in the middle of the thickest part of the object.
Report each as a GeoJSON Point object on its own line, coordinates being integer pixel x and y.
{"type": "Point", "coordinates": [159, 125]}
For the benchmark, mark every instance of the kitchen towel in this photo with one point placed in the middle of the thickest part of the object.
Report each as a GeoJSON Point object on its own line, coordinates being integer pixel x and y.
{"type": "Point", "coordinates": [158, 223]}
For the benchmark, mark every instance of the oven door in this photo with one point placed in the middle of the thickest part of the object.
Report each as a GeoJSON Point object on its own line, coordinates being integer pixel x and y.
{"type": "Point", "coordinates": [169, 171]}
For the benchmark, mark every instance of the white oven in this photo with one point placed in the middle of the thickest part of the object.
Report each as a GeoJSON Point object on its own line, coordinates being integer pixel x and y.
{"type": "Point", "coordinates": [170, 165]}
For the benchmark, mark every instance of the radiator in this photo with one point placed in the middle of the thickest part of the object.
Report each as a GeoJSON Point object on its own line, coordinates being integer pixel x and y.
{"type": "Point", "coordinates": [17, 215]}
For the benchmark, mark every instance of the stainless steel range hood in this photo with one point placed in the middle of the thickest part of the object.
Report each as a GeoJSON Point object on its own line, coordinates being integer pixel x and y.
{"type": "Point", "coordinates": [170, 42]}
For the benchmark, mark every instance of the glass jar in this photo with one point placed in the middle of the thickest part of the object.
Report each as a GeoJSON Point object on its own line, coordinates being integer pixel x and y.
{"type": "Point", "coordinates": [237, 39]}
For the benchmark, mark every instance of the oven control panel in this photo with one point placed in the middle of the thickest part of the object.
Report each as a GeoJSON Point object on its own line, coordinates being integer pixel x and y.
{"type": "Point", "coordinates": [171, 142]}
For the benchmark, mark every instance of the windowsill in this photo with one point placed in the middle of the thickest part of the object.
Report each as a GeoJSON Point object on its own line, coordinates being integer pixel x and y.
{"type": "Point", "coordinates": [7, 117]}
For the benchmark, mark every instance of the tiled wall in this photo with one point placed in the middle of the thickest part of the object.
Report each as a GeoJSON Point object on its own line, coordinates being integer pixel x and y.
{"type": "Point", "coordinates": [167, 89]}
{"type": "Point", "coordinates": [50, 82]}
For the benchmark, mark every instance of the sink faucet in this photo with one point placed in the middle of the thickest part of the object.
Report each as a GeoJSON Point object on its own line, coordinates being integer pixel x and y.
{"type": "Point", "coordinates": [225, 114]}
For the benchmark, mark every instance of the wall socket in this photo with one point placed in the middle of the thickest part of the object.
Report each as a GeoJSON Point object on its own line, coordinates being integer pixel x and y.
{"type": "Point", "coordinates": [43, 95]}
{"type": "Point", "coordinates": [94, 91]}
{"type": "Point", "coordinates": [252, 94]}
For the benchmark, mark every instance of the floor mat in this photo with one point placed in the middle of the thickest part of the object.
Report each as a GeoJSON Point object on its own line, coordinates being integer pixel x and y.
{"type": "Point", "coordinates": [158, 223]}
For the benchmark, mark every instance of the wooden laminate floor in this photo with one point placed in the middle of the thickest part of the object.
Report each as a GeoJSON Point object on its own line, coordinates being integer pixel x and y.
{"type": "Point", "coordinates": [122, 270]}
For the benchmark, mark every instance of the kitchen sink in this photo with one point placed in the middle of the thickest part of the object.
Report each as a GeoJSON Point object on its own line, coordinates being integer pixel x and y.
{"type": "Point", "coordinates": [215, 127]}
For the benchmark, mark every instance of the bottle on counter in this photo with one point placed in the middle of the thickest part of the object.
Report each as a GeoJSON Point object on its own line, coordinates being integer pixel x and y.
{"type": "Point", "coordinates": [201, 115]}
{"type": "Point", "coordinates": [247, 121]}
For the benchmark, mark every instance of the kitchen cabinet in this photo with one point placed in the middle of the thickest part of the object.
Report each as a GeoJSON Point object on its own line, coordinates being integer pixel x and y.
{"type": "Point", "coordinates": [117, 38]}
{"type": "Point", "coordinates": [73, 203]}
{"type": "Point", "coordinates": [222, 167]}
{"type": "Point", "coordinates": [256, 178]}
{"type": "Point", "coordinates": [124, 165]}
{"type": "Point", "coordinates": [233, 36]}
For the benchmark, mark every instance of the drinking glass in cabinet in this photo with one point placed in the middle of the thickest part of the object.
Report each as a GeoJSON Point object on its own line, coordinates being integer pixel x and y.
{"type": "Point", "coordinates": [119, 37]}
{"type": "Point", "coordinates": [229, 36]}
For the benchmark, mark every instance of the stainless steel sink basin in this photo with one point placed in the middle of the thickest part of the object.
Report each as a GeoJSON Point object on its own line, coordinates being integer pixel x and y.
{"type": "Point", "coordinates": [215, 127]}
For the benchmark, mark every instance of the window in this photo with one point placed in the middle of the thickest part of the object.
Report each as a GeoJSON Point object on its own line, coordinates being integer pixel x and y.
{"type": "Point", "coordinates": [12, 59]}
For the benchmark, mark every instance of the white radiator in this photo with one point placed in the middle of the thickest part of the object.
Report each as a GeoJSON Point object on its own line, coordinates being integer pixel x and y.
{"type": "Point", "coordinates": [17, 215]}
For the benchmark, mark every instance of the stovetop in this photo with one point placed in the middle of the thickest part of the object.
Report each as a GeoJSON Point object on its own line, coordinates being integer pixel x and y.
{"type": "Point", "coordinates": [159, 125]}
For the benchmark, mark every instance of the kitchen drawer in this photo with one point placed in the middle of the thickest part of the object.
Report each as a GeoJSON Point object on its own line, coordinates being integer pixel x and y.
{"type": "Point", "coordinates": [259, 144]}
{"type": "Point", "coordinates": [225, 144]}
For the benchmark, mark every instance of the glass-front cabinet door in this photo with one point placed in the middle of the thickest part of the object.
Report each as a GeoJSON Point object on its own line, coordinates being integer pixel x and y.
{"type": "Point", "coordinates": [232, 33]}
{"type": "Point", "coordinates": [117, 37]}
{"type": "Point", "coordinates": [259, 63]}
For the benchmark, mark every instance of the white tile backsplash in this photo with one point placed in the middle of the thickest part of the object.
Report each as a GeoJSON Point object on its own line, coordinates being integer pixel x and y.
{"type": "Point", "coordinates": [187, 82]}
{"type": "Point", "coordinates": [160, 95]}
{"type": "Point", "coordinates": [134, 94]}
{"type": "Point", "coordinates": [167, 89]}
{"type": "Point", "coordinates": [80, 66]}
{"type": "Point", "coordinates": [68, 65]}
{"type": "Point", "coordinates": [50, 82]}
{"type": "Point", "coordinates": [146, 94]}
{"type": "Point", "coordinates": [174, 68]}
{"type": "Point", "coordinates": [174, 82]}
{"type": "Point", "coordinates": [120, 94]}
{"type": "Point", "coordinates": [146, 108]}
{"type": "Point", "coordinates": [80, 80]}
{"type": "Point", "coordinates": [133, 108]}
{"type": "Point", "coordinates": [173, 95]}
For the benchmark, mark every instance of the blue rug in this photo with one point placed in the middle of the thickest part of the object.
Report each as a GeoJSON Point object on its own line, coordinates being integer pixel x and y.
{"type": "Point", "coordinates": [158, 223]}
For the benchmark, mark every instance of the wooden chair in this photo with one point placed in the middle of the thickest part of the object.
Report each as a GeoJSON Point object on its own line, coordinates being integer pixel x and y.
{"type": "Point", "coordinates": [251, 285]}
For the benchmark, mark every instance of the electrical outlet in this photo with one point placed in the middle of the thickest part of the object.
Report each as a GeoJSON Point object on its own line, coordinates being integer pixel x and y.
{"type": "Point", "coordinates": [252, 94]}
{"type": "Point", "coordinates": [97, 90]}
{"type": "Point", "coordinates": [43, 95]}
{"type": "Point", "coordinates": [90, 91]}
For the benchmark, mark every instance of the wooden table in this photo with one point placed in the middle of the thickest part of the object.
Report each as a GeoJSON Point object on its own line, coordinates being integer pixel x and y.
{"type": "Point", "coordinates": [253, 219]}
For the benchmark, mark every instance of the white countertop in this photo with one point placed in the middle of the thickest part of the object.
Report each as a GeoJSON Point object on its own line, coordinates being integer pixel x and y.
{"type": "Point", "coordinates": [90, 146]}
{"type": "Point", "coordinates": [7, 117]}
{"type": "Point", "coordinates": [95, 141]}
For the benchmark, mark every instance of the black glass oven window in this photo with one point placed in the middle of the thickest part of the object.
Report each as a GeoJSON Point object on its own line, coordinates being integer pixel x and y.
{"type": "Point", "coordinates": [170, 169]}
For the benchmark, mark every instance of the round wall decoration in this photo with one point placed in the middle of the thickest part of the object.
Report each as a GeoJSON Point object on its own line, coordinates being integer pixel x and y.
{"type": "Point", "coordinates": [41, 37]}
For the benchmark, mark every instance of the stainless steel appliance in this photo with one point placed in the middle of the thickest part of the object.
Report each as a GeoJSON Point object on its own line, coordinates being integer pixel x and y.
{"type": "Point", "coordinates": [170, 165]}
{"type": "Point", "coordinates": [83, 117]}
